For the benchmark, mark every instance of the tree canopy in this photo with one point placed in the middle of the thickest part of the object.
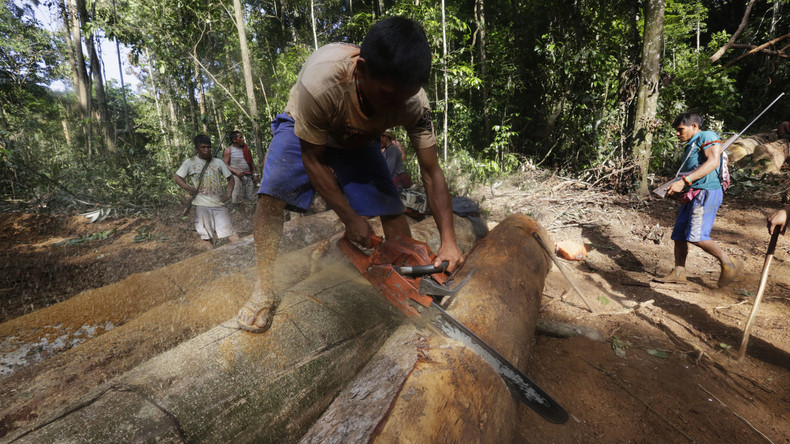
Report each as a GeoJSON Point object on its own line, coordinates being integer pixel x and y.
{"type": "Point", "coordinates": [552, 83]}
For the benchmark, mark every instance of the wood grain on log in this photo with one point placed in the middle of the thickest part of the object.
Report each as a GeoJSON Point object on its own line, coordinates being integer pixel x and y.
{"type": "Point", "coordinates": [422, 387]}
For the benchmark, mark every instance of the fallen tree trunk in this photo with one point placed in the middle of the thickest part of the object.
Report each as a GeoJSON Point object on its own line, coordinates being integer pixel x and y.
{"type": "Point", "coordinates": [745, 146]}
{"type": "Point", "coordinates": [231, 386]}
{"type": "Point", "coordinates": [421, 387]}
{"type": "Point", "coordinates": [58, 382]}
{"type": "Point", "coordinates": [763, 151]}
{"type": "Point", "coordinates": [769, 157]}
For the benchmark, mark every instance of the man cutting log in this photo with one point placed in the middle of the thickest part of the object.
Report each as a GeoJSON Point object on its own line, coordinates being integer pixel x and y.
{"type": "Point", "coordinates": [345, 97]}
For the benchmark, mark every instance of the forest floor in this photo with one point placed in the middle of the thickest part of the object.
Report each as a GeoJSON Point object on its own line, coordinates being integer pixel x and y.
{"type": "Point", "coordinates": [665, 372]}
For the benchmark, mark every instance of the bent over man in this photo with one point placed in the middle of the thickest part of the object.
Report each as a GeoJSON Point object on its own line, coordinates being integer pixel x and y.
{"type": "Point", "coordinates": [345, 97]}
{"type": "Point", "coordinates": [701, 195]}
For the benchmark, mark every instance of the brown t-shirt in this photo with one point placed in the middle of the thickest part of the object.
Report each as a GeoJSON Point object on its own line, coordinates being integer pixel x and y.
{"type": "Point", "coordinates": [326, 111]}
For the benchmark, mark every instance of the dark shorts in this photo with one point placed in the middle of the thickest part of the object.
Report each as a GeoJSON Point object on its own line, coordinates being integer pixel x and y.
{"type": "Point", "coordinates": [695, 219]}
{"type": "Point", "coordinates": [362, 174]}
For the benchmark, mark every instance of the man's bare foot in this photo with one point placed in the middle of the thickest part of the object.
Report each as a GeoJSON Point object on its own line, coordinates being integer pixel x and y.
{"type": "Point", "coordinates": [257, 313]}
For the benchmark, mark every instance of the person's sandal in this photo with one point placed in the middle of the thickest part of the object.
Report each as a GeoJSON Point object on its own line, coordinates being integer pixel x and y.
{"type": "Point", "coordinates": [672, 278]}
{"type": "Point", "coordinates": [729, 273]}
{"type": "Point", "coordinates": [254, 327]}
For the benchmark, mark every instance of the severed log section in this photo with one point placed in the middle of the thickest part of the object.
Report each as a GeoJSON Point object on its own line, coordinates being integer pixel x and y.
{"type": "Point", "coordinates": [423, 387]}
{"type": "Point", "coordinates": [763, 151]}
{"type": "Point", "coordinates": [328, 316]}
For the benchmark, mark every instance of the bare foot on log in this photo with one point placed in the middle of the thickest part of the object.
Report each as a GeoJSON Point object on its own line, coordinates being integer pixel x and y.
{"type": "Point", "coordinates": [256, 315]}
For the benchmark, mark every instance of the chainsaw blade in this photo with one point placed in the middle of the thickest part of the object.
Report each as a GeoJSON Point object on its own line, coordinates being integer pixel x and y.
{"type": "Point", "coordinates": [523, 388]}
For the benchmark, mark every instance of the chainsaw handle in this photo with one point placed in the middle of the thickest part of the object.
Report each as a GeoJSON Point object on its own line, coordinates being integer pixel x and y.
{"type": "Point", "coordinates": [422, 270]}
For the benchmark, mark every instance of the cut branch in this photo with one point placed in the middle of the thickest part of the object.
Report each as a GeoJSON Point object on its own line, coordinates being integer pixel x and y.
{"type": "Point", "coordinates": [761, 48]}
{"type": "Point", "coordinates": [728, 45]}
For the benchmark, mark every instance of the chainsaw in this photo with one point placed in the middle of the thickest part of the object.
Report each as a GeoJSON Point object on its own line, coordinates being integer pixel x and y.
{"type": "Point", "coordinates": [396, 268]}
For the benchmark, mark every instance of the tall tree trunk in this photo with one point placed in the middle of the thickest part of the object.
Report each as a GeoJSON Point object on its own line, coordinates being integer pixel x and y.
{"type": "Point", "coordinates": [193, 118]}
{"type": "Point", "coordinates": [173, 120]}
{"type": "Point", "coordinates": [76, 80]}
{"type": "Point", "coordinates": [82, 86]}
{"type": "Point", "coordinates": [444, 69]}
{"type": "Point", "coordinates": [201, 96]}
{"type": "Point", "coordinates": [312, 23]}
{"type": "Point", "coordinates": [245, 59]}
{"type": "Point", "coordinates": [159, 117]}
{"type": "Point", "coordinates": [217, 117]}
{"type": "Point", "coordinates": [481, 26]}
{"type": "Point", "coordinates": [647, 92]}
{"type": "Point", "coordinates": [103, 115]}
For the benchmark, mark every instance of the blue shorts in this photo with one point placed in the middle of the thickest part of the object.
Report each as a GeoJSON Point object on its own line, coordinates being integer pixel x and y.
{"type": "Point", "coordinates": [362, 174]}
{"type": "Point", "coordinates": [695, 219]}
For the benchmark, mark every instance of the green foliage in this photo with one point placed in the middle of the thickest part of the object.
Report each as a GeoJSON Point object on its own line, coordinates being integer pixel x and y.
{"type": "Point", "coordinates": [144, 234]}
{"type": "Point", "coordinates": [84, 239]}
{"type": "Point", "coordinates": [547, 82]}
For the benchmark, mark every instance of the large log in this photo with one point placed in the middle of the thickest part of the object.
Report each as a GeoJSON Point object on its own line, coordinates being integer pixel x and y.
{"type": "Point", "coordinates": [764, 152]}
{"type": "Point", "coordinates": [58, 382]}
{"type": "Point", "coordinates": [227, 385]}
{"type": "Point", "coordinates": [422, 387]}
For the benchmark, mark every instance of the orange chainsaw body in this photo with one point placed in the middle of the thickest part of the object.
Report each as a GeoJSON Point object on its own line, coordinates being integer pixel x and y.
{"type": "Point", "coordinates": [379, 268]}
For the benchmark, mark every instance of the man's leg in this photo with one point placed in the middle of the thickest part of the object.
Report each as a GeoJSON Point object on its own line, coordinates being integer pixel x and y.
{"type": "Point", "coordinates": [223, 225]}
{"type": "Point", "coordinates": [395, 226]}
{"type": "Point", "coordinates": [681, 253]}
{"type": "Point", "coordinates": [256, 315]}
{"type": "Point", "coordinates": [729, 270]}
{"type": "Point", "coordinates": [678, 274]}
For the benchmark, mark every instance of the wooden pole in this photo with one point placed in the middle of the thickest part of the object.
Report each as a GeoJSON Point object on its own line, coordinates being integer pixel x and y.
{"type": "Point", "coordinates": [763, 280]}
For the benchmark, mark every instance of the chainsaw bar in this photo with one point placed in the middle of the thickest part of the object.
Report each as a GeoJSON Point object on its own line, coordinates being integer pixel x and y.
{"type": "Point", "coordinates": [393, 268]}
{"type": "Point", "coordinates": [519, 384]}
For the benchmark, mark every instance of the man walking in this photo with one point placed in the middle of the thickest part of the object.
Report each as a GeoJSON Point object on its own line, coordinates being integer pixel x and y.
{"type": "Point", "coordinates": [701, 195]}
{"type": "Point", "coordinates": [210, 184]}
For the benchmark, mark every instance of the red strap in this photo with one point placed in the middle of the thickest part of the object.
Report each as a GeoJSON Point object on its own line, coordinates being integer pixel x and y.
{"type": "Point", "coordinates": [709, 143]}
{"type": "Point", "coordinates": [245, 151]}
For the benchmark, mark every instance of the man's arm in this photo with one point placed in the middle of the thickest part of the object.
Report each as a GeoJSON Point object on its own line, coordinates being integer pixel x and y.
{"type": "Point", "coordinates": [229, 193]}
{"type": "Point", "coordinates": [713, 154]}
{"type": "Point", "coordinates": [181, 183]}
{"type": "Point", "coordinates": [313, 158]}
{"type": "Point", "coordinates": [441, 206]}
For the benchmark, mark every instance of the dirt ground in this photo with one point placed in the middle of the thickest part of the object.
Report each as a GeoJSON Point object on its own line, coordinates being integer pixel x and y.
{"type": "Point", "coordinates": [665, 371]}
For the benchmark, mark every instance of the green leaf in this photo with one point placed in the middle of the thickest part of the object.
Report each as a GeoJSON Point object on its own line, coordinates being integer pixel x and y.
{"type": "Point", "coordinates": [603, 300]}
{"type": "Point", "coordinates": [657, 353]}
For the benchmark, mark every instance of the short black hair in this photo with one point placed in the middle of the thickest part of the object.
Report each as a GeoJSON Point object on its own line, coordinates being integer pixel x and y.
{"type": "Point", "coordinates": [396, 48]}
{"type": "Point", "coordinates": [688, 119]}
{"type": "Point", "coordinates": [200, 139]}
{"type": "Point", "coordinates": [234, 135]}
